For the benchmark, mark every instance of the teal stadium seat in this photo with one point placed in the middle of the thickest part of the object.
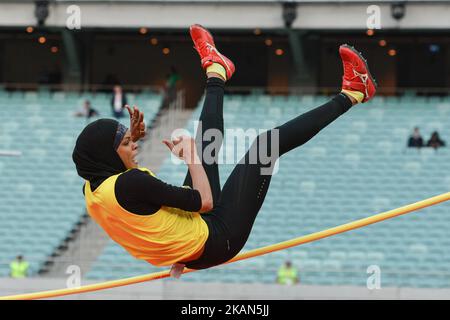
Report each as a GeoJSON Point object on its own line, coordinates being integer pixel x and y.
{"type": "Point", "coordinates": [40, 192]}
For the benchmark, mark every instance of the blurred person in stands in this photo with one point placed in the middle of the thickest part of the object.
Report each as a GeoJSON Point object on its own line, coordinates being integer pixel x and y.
{"type": "Point", "coordinates": [287, 274]}
{"type": "Point", "coordinates": [415, 140]}
{"type": "Point", "coordinates": [198, 225]}
{"type": "Point", "coordinates": [435, 141]}
{"type": "Point", "coordinates": [118, 102]}
{"type": "Point", "coordinates": [170, 88]}
{"type": "Point", "coordinates": [87, 111]}
{"type": "Point", "coordinates": [19, 268]}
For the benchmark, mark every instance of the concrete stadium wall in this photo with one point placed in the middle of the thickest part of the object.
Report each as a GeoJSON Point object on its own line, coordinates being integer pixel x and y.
{"type": "Point", "coordinates": [229, 15]}
{"type": "Point", "coordinates": [179, 290]}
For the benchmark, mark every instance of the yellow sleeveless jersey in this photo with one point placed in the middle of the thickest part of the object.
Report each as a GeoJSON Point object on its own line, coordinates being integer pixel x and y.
{"type": "Point", "coordinates": [165, 237]}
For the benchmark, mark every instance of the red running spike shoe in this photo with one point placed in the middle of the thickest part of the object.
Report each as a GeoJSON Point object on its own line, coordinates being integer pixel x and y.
{"type": "Point", "coordinates": [204, 44]}
{"type": "Point", "coordinates": [357, 76]}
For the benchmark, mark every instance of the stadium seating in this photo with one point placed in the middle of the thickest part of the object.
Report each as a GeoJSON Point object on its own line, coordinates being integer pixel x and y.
{"type": "Point", "coordinates": [40, 191]}
{"type": "Point", "coordinates": [356, 167]}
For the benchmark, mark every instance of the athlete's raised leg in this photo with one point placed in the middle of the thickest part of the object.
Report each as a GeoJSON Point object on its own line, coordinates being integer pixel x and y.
{"type": "Point", "coordinates": [244, 191]}
{"type": "Point", "coordinates": [218, 69]}
{"type": "Point", "coordinates": [211, 117]}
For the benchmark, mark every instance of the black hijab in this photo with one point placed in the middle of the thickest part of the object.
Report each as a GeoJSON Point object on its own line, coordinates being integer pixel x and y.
{"type": "Point", "coordinates": [95, 155]}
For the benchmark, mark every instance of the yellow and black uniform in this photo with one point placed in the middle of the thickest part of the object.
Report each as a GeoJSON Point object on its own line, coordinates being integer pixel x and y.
{"type": "Point", "coordinates": [136, 210]}
{"type": "Point", "coordinates": [287, 275]}
{"type": "Point", "coordinates": [19, 269]}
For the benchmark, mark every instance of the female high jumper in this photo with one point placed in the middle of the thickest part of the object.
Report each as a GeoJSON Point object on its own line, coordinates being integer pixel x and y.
{"type": "Point", "coordinates": [197, 225]}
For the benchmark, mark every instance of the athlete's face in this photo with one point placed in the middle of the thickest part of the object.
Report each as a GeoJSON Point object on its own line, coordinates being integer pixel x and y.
{"type": "Point", "coordinates": [127, 151]}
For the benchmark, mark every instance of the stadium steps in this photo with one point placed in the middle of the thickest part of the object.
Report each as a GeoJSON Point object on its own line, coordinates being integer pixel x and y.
{"type": "Point", "coordinates": [80, 250]}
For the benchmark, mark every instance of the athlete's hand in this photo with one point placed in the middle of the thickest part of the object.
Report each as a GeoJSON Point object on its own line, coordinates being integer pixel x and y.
{"type": "Point", "coordinates": [137, 125]}
{"type": "Point", "coordinates": [183, 147]}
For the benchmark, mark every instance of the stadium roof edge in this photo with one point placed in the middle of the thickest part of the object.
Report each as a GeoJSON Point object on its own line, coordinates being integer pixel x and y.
{"type": "Point", "coordinates": [232, 1]}
{"type": "Point", "coordinates": [233, 14]}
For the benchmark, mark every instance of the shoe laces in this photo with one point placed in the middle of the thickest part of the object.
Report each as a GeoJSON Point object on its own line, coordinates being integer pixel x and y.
{"type": "Point", "coordinates": [202, 47]}
{"type": "Point", "coordinates": [348, 70]}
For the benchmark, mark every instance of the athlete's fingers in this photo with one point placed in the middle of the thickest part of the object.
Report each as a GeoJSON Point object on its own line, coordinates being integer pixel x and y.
{"type": "Point", "coordinates": [177, 140]}
{"type": "Point", "coordinates": [142, 130]}
{"type": "Point", "coordinates": [169, 144]}
{"type": "Point", "coordinates": [129, 110]}
{"type": "Point", "coordinates": [177, 149]}
{"type": "Point", "coordinates": [183, 138]}
{"type": "Point", "coordinates": [135, 114]}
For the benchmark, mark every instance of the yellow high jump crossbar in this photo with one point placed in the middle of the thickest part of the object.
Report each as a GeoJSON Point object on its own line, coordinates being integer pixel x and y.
{"type": "Point", "coordinates": [246, 255]}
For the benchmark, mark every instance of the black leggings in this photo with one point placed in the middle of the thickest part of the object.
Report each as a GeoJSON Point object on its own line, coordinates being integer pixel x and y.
{"type": "Point", "coordinates": [237, 205]}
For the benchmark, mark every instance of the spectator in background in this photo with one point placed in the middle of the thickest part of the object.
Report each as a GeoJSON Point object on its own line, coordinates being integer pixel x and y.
{"type": "Point", "coordinates": [415, 140]}
{"type": "Point", "coordinates": [287, 274]}
{"type": "Point", "coordinates": [118, 102]}
{"type": "Point", "coordinates": [19, 268]}
{"type": "Point", "coordinates": [87, 111]}
{"type": "Point", "coordinates": [170, 89]}
{"type": "Point", "coordinates": [435, 141]}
